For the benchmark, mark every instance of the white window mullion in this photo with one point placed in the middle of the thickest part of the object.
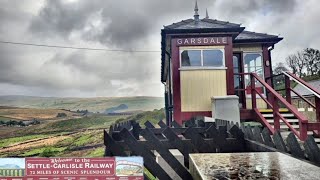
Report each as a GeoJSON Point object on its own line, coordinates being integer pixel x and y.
{"type": "Point", "coordinates": [201, 57]}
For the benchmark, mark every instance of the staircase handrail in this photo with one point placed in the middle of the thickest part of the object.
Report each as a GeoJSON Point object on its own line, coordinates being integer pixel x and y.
{"type": "Point", "coordinates": [302, 83]}
{"type": "Point", "coordinates": [290, 107]}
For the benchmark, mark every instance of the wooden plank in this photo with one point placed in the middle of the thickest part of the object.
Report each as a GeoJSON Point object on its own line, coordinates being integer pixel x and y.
{"type": "Point", "coordinates": [190, 123]}
{"type": "Point", "coordinates": [237, 124]}
{"type": "Point", "coordinates": [208, 124]}
{"type": "Point", "coordinates": [258, 147]}
{"type": "Point", "coordinates": [294, 146]}
{"type": "Point", "coordinates": [112, 148]}
{"type": "Point", "coordinates": [110, 129]}
{"type": "Point", "coordinates": [230, 145]}
{"type": "Point", "coordinates": [201, 123]}
{"type": "Point", "coordinates": [166, 155]}
{"type": "Point", "coordinates": [249, 132]}
{"type": "Point", "coordinates": [257, 134]}
{"type": "Point", "coordinates": [243, 129]}
{"type": "Point", "coordinates": [236, 132]}
{"type": "Point", "coordinates": [176, 130]}
{"type": "Point", "coordinates": [175, 124]}
{"type": "Point", "coordinates": [135, 130]}
{"type": "Point", "coordinates": [278, 142]}
{"type": "Point", "coordinates": [312, 150]}
{"type": "Point", "coordinates": [140, 150]}
{"type": "Point", "coordinates": [148, 124]}
{"type": "Point", "coordinates": [184, 147]}
{"type": "Point", "coordinates": [212, 132]}
{"type": "Point", "coordinates": [162, 124]}
{"type": "Point", "coordinates": [197, 140]}
{"type": "Point", "coordinates": [267, 137]}
{"type": "Point", "coordinates": [223, 131]}
{"type": "Point", "coordinates": [228, 125]}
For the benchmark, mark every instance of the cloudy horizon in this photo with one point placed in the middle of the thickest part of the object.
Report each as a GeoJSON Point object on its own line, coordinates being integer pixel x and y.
{"type": "Point", "coordinates": [127, 25]}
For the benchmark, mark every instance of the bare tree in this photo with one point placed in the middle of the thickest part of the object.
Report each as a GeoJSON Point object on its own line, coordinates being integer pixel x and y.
{"type": "Point", "coordinates": [279, 68]}
{"type": "Point", "coordinates": [291, 61]}
{"type": "Point", "coordinates": [300, 63]}
{"type": "Point", "coordinates": [296, 63]}
{"type": "Point", "coordinates": [278, 81]}
{"type": "Point", "coordinates": [312, 60]}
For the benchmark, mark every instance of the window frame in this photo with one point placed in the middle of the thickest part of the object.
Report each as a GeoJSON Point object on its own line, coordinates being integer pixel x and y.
{"type": "Point", "coordinates": [202, 48]}
{"type": "Point", "coordinates": [262, 66]}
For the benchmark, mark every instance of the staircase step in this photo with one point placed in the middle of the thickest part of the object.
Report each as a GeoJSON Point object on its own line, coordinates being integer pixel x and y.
{"type": "Point", "coordinates": [289, 120]}
{"type": "Point", "coordinates": [286, 127]}
{"type": "Point", "coordinates": [284, 115]}
{"type": "Point", "coordinates": [285, 134]}
{"type": "Point", "coordinates": [270, 110]}
{"type": "Point", "coordinates": [317, 140]}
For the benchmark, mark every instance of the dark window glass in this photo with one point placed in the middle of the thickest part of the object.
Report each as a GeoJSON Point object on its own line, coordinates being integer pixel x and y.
{"type": "Point", "coordinates": [213, 58]}
{"type": "Point", "coordinates": [191, 58]}
{"type": "Point", "coordinates": [235, 64]}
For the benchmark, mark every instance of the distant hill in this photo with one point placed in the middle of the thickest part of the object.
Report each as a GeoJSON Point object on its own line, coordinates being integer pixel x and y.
{"type": "Point", "coordinates": [9, 166]}
{"type": "Point", "coordinates": [97, 104]}
{"type": "Point", "coordinates": [119, 108]}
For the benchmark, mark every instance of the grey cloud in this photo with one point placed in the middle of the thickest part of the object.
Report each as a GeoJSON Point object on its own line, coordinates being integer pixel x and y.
{"type": "Point", "coordinates": [125, 24]}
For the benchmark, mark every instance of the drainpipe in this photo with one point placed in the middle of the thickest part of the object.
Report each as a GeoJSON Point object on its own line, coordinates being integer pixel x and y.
{"type": "Point", "coordinates": [166, 103]}
{"type": "Point", "coordinates": [270, 99]}
{"type": "Point", "coordinates": [169, 107]}
{"type": "Point", "coordinates": [269, 52]}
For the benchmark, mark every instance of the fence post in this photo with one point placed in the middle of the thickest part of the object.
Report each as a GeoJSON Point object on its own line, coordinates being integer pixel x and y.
{"type": "Point", "coordinates": [276, 117]}
{"type": "Point", "coordinates": [303, 128]}
{"type": "Point", "coordinates": [288, 89]}
{"type": "Point", "coordinates": [253, 92]}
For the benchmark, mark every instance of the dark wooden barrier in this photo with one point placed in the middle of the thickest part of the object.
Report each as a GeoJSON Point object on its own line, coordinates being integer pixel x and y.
{"type": "Point", "coordinates": [258, 140]}
{"type": "Point", "coordinates": [128, 138]}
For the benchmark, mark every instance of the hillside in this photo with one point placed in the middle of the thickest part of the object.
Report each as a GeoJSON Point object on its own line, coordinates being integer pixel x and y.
{"type": "Point", "coordinates": [98, 104]}
{"type": "Point", "coordinates": [13, 113]}
{"type": "Point", "coordinates": [82, 137]}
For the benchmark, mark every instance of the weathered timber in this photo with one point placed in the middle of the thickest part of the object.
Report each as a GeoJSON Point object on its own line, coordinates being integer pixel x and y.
{"type": "Point", "coordinates": [278, 142]}
{"type": "Point", "coordinates": [140, 150]}
{"type": "Point", "coordinates": [267, 137]}
{"type": "Point", "coordinates": [312, 150]}
{"type": "Point", "coordinates": [166, 155]}
{"type": "Point", "coordinates": [294, 146]}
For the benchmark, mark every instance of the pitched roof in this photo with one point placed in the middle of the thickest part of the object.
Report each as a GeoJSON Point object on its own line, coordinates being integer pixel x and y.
{"type": "Point", "coordinates": [246, 36]}
{"type": "Point", "coordinates": [254, 35]}
{"type": "Point", "coordinates": [304, 91]}
{"type": "Point", "coordinates": [201, 24]}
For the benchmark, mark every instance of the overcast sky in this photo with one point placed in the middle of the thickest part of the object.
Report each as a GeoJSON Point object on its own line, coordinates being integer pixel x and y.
{"type": "Point", "coordinates": [124, 24]}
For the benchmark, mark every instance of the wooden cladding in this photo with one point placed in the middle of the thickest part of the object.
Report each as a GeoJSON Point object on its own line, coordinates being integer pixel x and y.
{"type": "Point", "coordinates": [247, 48]}
{"type": "Point", "coordinates": [198, 86]}
{"type": "Point", "coordinates": [260, 103]}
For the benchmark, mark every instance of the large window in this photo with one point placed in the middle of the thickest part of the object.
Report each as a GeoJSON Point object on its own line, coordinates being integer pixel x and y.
{"type": "Point", "coordinates": [202, 57]}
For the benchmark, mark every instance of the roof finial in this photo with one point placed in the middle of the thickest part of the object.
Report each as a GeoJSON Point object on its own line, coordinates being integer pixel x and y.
{"type": "Point", "coordinates": [196, 15]}
{"type": "Point", "coordinates": [207, 15]}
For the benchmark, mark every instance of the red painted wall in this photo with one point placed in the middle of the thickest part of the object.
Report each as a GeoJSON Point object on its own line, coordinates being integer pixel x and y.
{"type": "Point", "coordinates": [179, 116]}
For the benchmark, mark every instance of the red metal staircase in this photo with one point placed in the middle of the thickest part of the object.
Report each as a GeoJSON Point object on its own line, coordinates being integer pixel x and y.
{"type": "Point", "coordinates": [290, 119]}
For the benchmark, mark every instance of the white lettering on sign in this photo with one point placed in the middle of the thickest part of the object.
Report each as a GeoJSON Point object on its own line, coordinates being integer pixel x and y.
{"type": "Point", "coordinates": [202, 41]}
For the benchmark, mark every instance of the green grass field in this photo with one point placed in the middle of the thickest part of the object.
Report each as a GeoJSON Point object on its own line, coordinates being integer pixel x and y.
{"type": "Point", "coordinates": [10, 141]}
